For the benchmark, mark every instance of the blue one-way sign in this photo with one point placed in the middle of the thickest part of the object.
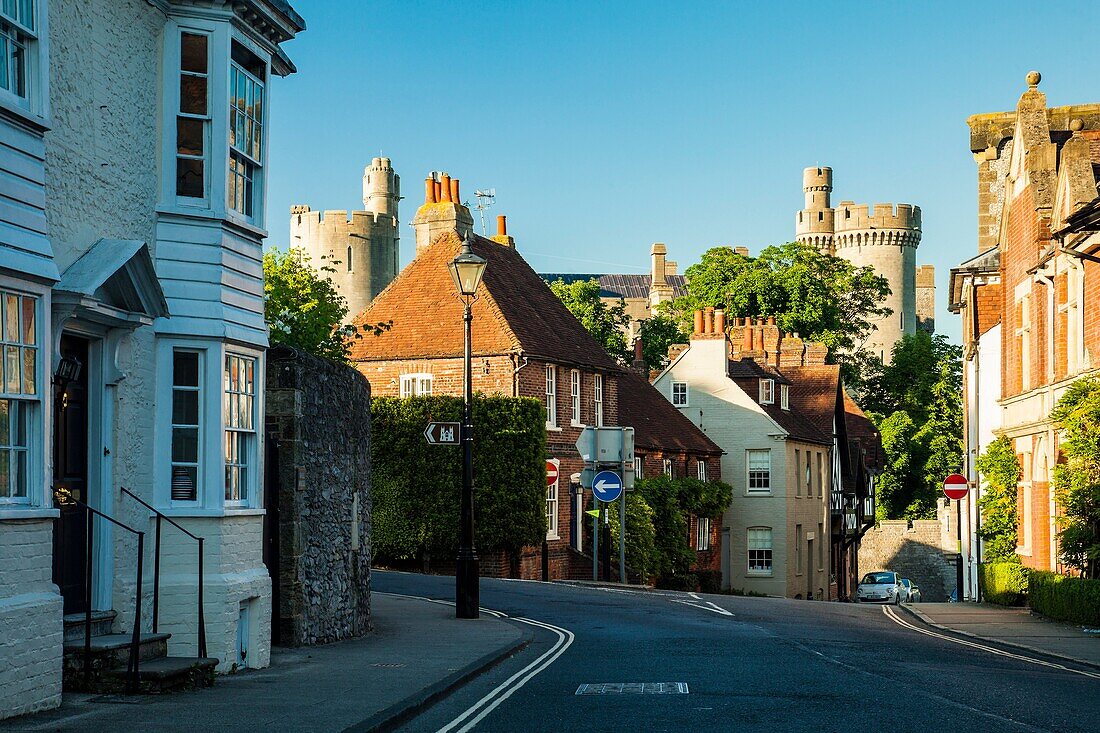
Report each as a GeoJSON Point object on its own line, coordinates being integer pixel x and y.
{"type": "Point", "coordinates": [607, 486]}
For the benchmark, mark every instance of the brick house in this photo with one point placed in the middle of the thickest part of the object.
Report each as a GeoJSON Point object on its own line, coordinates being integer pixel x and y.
{"type": "Point", "coordinates": [803, 493]}
{"type": "Point", "coordinates": [666, 441]}
{"type": "Point", "coordinates": [525, 344]}
{"type": "Point", "coordinates": [1024, 298]}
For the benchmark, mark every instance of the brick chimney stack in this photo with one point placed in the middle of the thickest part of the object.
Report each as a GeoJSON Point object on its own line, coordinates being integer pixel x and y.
{"type": "Point", "coordinates": [501, 237]}
{"type": "Point", "coordinates": [638, 364]}
{"type": "Point", "coordinates": [763, 342]}
{"type": "Point", "coordinates": [660, 290]}
{"type": "Point", "coordinates": [442, 211]}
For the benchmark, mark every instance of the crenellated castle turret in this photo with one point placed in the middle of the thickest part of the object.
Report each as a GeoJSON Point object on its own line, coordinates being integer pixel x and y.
{"type": "Point", "coordinates": [884, 237]}
{"type": "Point", "coordinates": [358, 252]}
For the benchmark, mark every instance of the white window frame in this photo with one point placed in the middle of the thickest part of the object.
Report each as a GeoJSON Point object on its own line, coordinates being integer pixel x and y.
{"type": "Point", "coordinates": [575, 398]}
{"type": "Point", "coordinates": [785, 396]}
{"type": "Point", "coordinates": [701, 469]}
{"type": "Point", "coordinates": [767, 391]}
{"type": "Point", "coordinates": [678, 394]}
{"type": "Point", "coordinates": [254, 159]}
{"type": "Point", "coordinates": [1074, 327]}
{"type": "Point", "coordinates": [416, 384]}
{"type": "Point", "coordinates": [248, 464]}
{"type": "Point", "coordinates": [702, 534]}
{"type": "Point", "coordinates": [177, 113]}
{"type": "Point", "coordinates": [200, 433]}
{"type": "Point", "coordinates": [31, 447]}
{"type": "Point", "coordinates": [764, 564]}
{"type": "Point", "coordinates": [749, 488]}
{"type": "Point", "coordinates": [34, 38]}
{"type": "Point", "coordinates": [809, 475]}
{"type": "Point", "coordinates": [666, 467]}
{"type": "Point", "coordinates": [551, 396]}
{"type": "Point", "coordinates": [552, 497]}
{"type": "Point", "coordinates": [639, 462]}
{"type": "Point", "coordinates": [597, 399]}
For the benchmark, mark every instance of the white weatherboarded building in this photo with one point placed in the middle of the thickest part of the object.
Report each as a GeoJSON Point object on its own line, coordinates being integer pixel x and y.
{"type": "Point", "coordinates": [132, 180]}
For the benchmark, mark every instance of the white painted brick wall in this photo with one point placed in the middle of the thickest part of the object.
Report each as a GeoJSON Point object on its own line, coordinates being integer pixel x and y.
{"type": "Point", "coordinates": [30, 619]}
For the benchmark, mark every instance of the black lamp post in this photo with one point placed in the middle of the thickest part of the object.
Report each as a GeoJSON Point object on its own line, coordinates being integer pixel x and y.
{"type": "Point", "coordinates": [467, 270]}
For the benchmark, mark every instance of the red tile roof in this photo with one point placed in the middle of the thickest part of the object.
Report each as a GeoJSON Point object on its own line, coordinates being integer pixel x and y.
{"type": "Point", "coordinates": [862, 429]}
{"type": "Point", "coordinates": [657, 424]}
{"type": "Point", "coordinates": [516, 312]}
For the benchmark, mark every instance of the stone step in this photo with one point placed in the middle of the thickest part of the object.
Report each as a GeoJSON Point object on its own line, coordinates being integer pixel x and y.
{"type": "Point", "coordinates": [108, 652]}
{"type": "Point", "coordinates": [102, 621]}
{"type": "Point", "coordinates": [165, 674]}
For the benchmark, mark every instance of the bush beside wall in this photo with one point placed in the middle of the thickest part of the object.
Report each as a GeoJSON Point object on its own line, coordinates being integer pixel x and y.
{"type": "Point", "coordinates": [1062, 598]}
{"type": "Point", "coordinates": [1004, 583]}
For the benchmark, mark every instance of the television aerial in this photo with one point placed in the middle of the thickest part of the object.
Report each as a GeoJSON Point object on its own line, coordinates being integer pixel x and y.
{"type": "Point", "coordinates": [485, 199]}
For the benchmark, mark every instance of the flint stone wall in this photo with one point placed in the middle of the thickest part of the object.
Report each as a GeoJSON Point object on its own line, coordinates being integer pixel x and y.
{"type": "Point", "coordinates": [913, 550]}
{"type": "Point", "coordinates": [318, 417]}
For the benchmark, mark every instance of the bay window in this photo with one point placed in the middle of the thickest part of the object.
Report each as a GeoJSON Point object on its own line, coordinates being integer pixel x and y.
{"type": "Point", "coordinates": [247, 74]}
{"type": "Point", "coordinates": [20, 398]}
{"type": "Point", "coordinates": [239, 406]}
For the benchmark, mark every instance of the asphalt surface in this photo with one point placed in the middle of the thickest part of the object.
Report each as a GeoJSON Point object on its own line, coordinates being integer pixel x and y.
{"type": "Point", "coordinates": [749, 664]}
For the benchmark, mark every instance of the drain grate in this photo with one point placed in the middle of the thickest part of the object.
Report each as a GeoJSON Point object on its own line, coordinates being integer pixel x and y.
{"type": "Point", "coordinates": [389, 665]}
{"type": "Point", "coordinates": [633, 688]}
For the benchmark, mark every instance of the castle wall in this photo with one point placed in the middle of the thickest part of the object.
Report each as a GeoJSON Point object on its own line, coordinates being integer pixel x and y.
{"type": "Point", "coordinates": [926, 298]}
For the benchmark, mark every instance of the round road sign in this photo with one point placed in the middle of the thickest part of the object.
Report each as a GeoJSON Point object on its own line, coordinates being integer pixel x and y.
{"type": "Point", "coordinates": [955, 486]}
{"type": "Point", "coordinates": [551, 472]}
{"type": "Point", "coordinates": [607, 486]}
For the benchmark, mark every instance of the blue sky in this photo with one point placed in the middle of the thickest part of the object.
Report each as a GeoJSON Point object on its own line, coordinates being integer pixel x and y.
{"type": "Point", "coordinates": [607, 126]}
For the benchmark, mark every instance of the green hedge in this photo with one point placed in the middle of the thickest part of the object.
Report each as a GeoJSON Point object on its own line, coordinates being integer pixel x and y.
{"type": "Point", "coordinates": [1004, 583]}
{"type": "Point", "coordinates": [1062, 598]}
{"type": "Point", "coordinates": [416, 487]}
{"type": "Point", "coordinates": [640, 536]}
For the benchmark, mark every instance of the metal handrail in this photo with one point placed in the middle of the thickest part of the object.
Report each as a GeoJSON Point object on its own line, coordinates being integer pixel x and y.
{"type": "Point", "coordinates": [156, 569]}
{"type": "Point", "coordinates": [132, 672]}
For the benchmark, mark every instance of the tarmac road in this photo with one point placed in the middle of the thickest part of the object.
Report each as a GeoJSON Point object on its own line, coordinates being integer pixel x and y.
{"type": "Point", "coordinates": [747, 664]}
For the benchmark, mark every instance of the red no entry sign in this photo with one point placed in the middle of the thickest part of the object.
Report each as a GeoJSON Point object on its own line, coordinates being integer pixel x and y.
{"type": "Point", "coordinates": [955, 486]}
{"type": "Point", "coordinates": [551, 472]}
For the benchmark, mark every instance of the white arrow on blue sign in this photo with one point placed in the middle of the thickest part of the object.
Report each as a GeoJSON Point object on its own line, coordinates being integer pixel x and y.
{"type": "Point", "coordinates": [607, 486]}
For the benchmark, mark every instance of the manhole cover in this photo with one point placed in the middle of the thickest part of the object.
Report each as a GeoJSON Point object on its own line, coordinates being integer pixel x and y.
{"type": "Point", "coordinates": [633, 688]}
{"type": "Point", "coordinates": [388, 665]}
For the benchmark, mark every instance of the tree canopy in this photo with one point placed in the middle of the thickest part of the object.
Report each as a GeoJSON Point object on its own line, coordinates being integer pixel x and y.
{"type": "Point", "coordinates": [303, 309]}
{"type": "Point", "coordinates": [605, 322]}
{"type": "Point", "coordinates": [1077, 480]}
{"type": "Point", "coordinates": [658, 332]}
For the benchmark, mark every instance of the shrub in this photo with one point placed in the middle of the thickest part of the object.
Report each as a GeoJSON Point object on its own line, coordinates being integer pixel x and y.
{"type": "Point", "coordinates": [1000, 471]}
{"type": "Point", "coordinates": [640, 537]}
{"type": "Point", "coordinates": [678, 581]}
{"type": "Point", "coordinates": [710, 581]}
{"type": "Point", "coordinates": [417, 488]}
{"type": "Point", "coordinates": [672, 556]}
{"type": "Point", "coordinates": [1062, 598]}
{"type": "Point", "coordinates": [1004, 583]}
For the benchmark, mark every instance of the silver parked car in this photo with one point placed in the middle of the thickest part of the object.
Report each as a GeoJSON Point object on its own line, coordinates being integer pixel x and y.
{"type": "Point", "coordinates": [912, 592]}
{"type": "Point", "coordinates": [881, 587]}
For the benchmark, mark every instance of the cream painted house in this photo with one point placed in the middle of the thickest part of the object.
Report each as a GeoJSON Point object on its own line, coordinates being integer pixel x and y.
{"type": "Point", "coordinates": [762, 401]}
{"type": "Point", "coordinates": [131, 297]}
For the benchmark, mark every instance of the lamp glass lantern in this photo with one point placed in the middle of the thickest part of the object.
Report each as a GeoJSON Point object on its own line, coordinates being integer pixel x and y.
{"type": "Point", "coordinates": [467, 269]}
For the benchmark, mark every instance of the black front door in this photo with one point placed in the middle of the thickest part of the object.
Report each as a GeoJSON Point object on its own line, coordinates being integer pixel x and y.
{"type": "Point", "coordinates": [70, 471]}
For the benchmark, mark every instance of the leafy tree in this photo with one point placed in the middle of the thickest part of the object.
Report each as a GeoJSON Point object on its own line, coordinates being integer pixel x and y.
{"type": "Point", "coordinates": [606, 323]}
{"type": "Point", "coordinates": [672, 556]}
{"type": "Point", "coordinates": [1001, 472]}
{"type": "Point", "coordinates": [821, 297]}
{"type": "Point", "coordinates": [1077, 480]}
{"type": "Point", "coordinates": [640, 535]}
{"type": "Point", "coordinates": [303, 309]}
{"type": "Point", "coordinates": [910, 380]}
{"type": "Point", "coordinates": [896, 486]}
{"type": "Point", "coordinates": [658, 332]}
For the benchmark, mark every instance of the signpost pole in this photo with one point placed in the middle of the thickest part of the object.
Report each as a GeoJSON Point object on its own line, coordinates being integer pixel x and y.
{"type": "Point", "coordinates": [622, 538]}
{"type": "Point", "coordinates": [959, 568]}
{"type": "Point", "coordinates": [595, 538]}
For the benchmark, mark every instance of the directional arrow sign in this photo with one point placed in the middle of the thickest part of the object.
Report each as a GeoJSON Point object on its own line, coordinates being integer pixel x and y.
{"type": "Point", "coordinates": [442, 433]}
{"type": "Point", "coordinates": [607, 486]}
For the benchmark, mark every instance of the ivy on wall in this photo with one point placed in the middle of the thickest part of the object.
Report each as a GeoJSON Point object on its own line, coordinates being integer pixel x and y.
{"type": "Point", "coordinates": [417, 487]}
{"type": "Point", "coordinates": [1001, 472]}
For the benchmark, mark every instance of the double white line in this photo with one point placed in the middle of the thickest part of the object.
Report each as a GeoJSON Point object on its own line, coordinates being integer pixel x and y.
{"type": "Point", "coordinates": [892, 615]}
{"type": "Point", "coordinates": [506, 689]}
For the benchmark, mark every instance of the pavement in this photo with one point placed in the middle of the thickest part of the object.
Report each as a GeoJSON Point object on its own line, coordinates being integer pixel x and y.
{"type": "Point", "coordinates": [1016, 627]}
{"type": "Point", "coordinates": [357, 685]}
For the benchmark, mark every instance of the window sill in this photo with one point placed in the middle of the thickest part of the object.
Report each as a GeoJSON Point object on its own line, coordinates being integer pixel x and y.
{"type": "Point", "coordinates": [23, 116]}
{"type": "Point", "coordinates": [752, 574]}
{"type": "Point", "coordinates": [576, 424]}
{"type": "Point", "coordinates": [551, 537]}
{"type": "Point", "coordinates": [759, 493]}
{"type": "Point", "coordinates": [31, 512]}
{"type": "Point", "coordinates": [679, 406]}
{"type": "Point", "coordinates": [198, 512]}
{"type": "Point", "coordinates": [553, 428]}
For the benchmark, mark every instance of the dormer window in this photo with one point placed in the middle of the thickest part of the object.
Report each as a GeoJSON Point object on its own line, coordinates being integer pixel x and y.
{"type": "Point", "coordinates": [247, 74]}
{"type": "Point", "coordinates": [784, 397]}
{"type": "Point", "coordinates": [767, 391]}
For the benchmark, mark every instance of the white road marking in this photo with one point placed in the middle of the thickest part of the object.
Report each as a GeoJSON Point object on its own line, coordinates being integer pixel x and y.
{"type": "Point", "coordinates": [491, 612]}
{"type": "Point", "coordinates": [506, 689]}
{"type": "Point", "coordinates": [892, 615]}
{"type": "Point", "coordinates": [708, 607]}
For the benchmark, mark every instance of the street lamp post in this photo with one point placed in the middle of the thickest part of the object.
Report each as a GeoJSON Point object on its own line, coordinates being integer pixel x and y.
{"type": "Point", "coordinates": [467, 270]}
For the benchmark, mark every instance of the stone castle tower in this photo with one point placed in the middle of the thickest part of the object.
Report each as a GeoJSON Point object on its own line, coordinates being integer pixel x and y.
{"type": "Point", "coordinates": [363, 250]}
{"type": "Point", "coordinates": [883, 236]}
